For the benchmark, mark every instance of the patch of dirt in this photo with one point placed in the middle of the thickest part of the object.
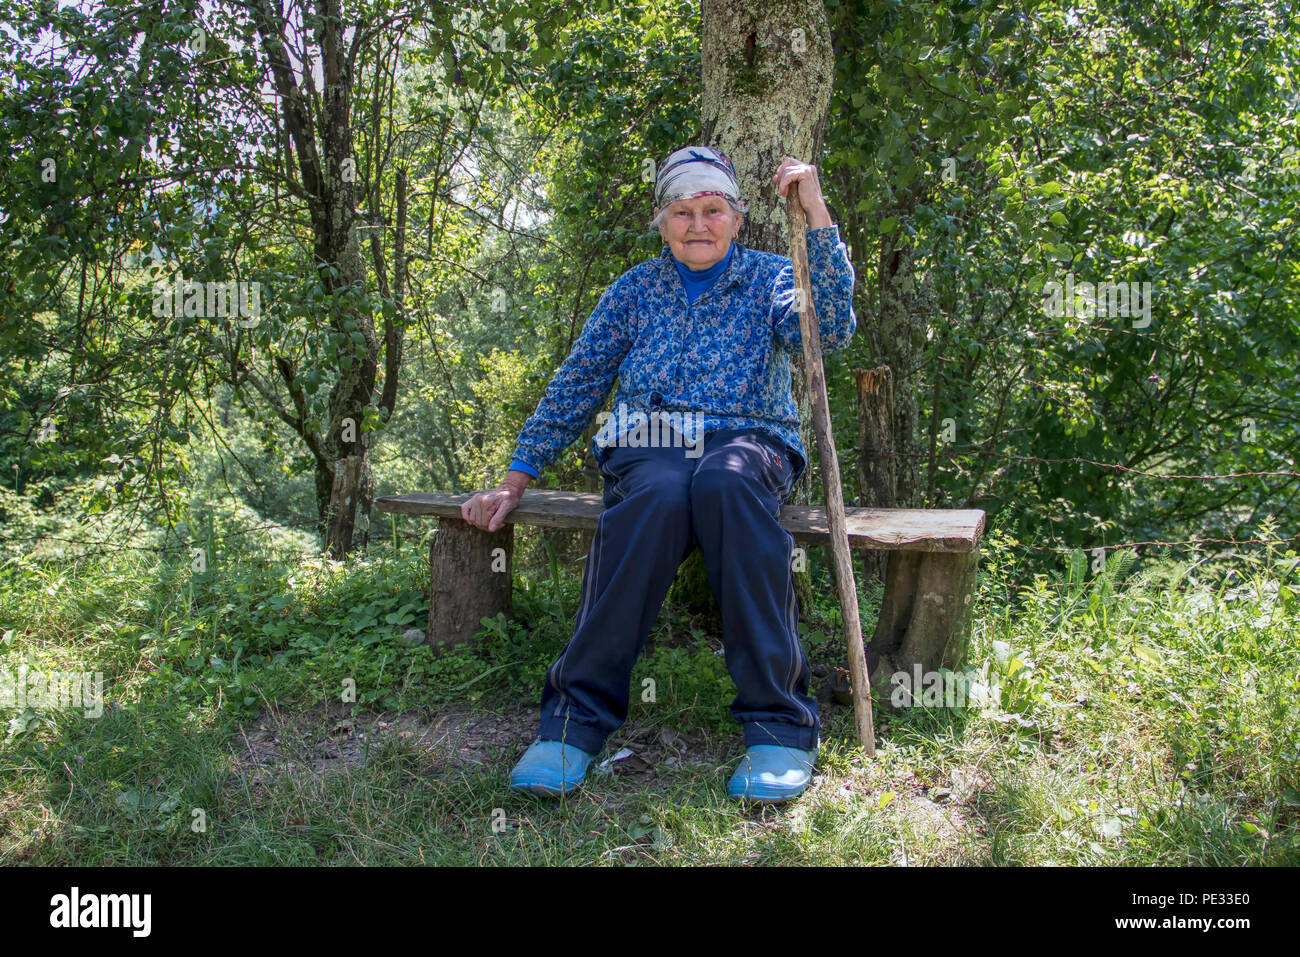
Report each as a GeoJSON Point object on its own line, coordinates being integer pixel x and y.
{"type": "Point", "coordinates": [326, 739]}
{"type": "Point", "coordinates": [944, 821]}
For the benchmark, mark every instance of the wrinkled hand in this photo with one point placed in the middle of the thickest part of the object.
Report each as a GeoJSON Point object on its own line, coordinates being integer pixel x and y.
{"type": "Point", "coordinates": [488, 510]}
{"type": "Point", "coordinates": [809, 187]}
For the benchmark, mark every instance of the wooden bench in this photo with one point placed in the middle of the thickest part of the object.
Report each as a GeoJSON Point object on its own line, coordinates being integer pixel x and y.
{"type": "Point", "coordinates": [929, 582]}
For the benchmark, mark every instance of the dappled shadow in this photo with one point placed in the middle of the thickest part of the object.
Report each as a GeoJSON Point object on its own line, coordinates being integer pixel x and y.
{"type": "Point", "coordinates": [330, 738]}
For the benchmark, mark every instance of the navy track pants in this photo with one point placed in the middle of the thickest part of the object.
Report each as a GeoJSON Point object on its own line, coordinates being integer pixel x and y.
{"type": "Point", "coordinates": [659, 503]}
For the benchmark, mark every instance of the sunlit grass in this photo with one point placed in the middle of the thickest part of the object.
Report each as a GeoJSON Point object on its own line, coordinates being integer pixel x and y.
{"type": "Point", "coordinates": [1143, 719]}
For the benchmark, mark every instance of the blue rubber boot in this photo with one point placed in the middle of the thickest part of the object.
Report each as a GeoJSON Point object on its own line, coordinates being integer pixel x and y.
{"type": "Point", "coordinates": [770, 774]}
{"type": "Point", "coordinates": [550, 768]}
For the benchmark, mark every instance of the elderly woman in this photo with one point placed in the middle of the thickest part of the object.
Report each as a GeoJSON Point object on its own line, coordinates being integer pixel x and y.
{"type": "Point", "coordinates": [700, 339]}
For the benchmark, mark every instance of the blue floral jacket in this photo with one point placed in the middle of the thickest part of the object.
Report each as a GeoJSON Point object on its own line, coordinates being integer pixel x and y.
{"type": "Point", "coordinates": [724, 358]}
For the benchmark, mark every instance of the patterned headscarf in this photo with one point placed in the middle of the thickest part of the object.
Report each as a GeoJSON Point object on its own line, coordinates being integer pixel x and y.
{"type": "Point", "coordinates": [696, 171]}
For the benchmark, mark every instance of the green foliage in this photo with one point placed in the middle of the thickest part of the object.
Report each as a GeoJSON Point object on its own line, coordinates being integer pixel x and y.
{"type": "Point", "coordinates": [504, 398]}
{"type": "Point", "coordinates": [1010, 148]}
{"type": "Point", "coordinates": [1142, 720]}
{"type": "Point", "coordinates": [1146, 710]}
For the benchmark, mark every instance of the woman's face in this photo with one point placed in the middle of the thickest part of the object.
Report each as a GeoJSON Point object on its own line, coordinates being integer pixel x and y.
{"type": "Point", "coordinates": [699, 231]}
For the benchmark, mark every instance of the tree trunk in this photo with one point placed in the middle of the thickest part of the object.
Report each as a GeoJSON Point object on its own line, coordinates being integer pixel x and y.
{"type": "Point", "coordinates": [322, 146]}
{"type": "Point", "coordinates": [768, 72]}
{"type": "Point", "coordinates": [900, 337]}
{"type": "Point", "coordinates": [470, 579]}
{"type": "Point", "coordinates": [344, 495]}
{"type": "Point", "coordinates": [338, 246]}
{"type": "Point", "coordinates": [925, 617]}
{"type": "Point", "coordinates": [876, 462]}
{"type": "Point", "coordinates": [893, 317]}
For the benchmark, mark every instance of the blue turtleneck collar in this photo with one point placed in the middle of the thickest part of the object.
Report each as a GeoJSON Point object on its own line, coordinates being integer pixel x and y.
{"type": "Point", "coordinates": [698, 280]}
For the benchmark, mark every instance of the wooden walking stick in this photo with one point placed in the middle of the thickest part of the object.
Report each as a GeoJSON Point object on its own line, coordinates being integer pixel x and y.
{"type": "Point", "coordinates": [845, 585]}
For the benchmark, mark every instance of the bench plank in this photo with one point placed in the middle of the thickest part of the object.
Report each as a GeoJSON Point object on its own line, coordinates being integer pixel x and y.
{"type": "Point", "coordinates": [883, 529]}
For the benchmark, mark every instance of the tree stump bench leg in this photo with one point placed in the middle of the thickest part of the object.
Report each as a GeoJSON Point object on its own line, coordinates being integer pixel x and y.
{"type": "Point", "coordinates": [470, 578]}
{"type": "Point", "coordinates": [925, 613]}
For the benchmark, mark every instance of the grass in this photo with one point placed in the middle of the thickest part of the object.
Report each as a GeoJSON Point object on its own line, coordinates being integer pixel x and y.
{"type": "Point", "coordinates": [1144, 718]}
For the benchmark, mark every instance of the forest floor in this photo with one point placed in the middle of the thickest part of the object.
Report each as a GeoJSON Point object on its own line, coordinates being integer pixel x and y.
{"type": "Point", "coordinates": [1150, 718]}
{"type": "Point", "coordinates": [645, 767]}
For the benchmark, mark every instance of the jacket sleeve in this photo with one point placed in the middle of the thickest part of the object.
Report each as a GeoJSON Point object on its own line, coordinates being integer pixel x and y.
{"type": "Point", "coordinates": [832, 293]}
{"type": "Point", "coordinates": [583, 381]}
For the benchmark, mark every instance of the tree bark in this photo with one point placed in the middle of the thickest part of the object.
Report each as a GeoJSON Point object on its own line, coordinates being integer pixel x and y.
{"type": "Point", "coordinates": [322, 145]}
{"type": "Point", "coordinates": [900, 337]}
{"type": "Point", "coordinates": [471, 572]}
{"type": "Point", "coordinates": [768, 71]}
{"type": "Point", "coordinates": [876, 462]}
{"type": "Point", "coordinates": [925, 618]}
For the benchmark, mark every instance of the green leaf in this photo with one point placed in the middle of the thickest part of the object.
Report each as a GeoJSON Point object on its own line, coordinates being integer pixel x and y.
{"type": "Point", "coordinates": [1149, 655]}
{"type": "Point", "coordinates": [1003, 26]}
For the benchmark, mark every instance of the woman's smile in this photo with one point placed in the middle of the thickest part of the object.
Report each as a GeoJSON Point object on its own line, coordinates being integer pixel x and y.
{"type": "Point", "coordinates": [699, 230]}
